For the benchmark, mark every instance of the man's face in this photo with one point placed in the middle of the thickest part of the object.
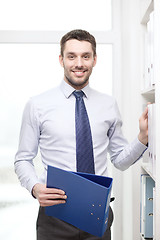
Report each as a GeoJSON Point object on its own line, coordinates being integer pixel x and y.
{"type": "Point", "coordinates": [78, 61]}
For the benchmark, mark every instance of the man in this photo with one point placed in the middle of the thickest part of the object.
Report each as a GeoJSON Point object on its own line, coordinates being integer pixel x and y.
{"type": "Point", "coordinates": [49, 123]}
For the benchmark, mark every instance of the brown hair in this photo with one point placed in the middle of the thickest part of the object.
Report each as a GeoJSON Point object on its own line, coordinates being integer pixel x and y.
{"type": "Point", "coordinates": [80, 35]}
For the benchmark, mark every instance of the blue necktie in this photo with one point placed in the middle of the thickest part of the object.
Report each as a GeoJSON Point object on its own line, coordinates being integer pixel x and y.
{"type": "Point", "coordinates": [84, 146]}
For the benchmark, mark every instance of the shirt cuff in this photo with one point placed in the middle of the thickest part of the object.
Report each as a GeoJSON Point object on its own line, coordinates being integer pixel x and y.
{"type": "Point", "coordinates": [31, 184]}
{"type": "Point", "coordinates": [139, 148]}
{"type": "Point", "coordinates": [142, 146]}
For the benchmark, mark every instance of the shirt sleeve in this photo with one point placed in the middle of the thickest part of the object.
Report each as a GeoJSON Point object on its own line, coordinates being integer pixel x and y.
{"type": "Point", "coordinates": [122, 154]}
{"type": "Point", "coordinates": [28, 147]}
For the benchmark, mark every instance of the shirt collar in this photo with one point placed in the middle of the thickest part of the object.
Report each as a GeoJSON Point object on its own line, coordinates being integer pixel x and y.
{"type": "Point", "coordinates": [68, 89]}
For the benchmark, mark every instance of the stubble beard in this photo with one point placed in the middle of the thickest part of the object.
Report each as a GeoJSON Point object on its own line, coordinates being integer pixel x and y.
{"type": "Point", "coordinates": [75, 83]}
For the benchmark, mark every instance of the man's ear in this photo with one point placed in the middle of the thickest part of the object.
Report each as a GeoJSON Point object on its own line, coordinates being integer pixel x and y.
{"type": "Point", "coordinates": [61, 60]}
{"type": "Point", "coordinates": [95, 60]}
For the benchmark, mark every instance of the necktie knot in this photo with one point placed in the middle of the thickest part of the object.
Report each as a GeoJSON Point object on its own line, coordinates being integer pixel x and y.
{"type": "Point", "coordinates": [78, 95]}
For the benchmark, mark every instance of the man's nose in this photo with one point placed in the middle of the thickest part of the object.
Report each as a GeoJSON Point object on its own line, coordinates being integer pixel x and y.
{"type": "Point", "coordinates": [79, 62]}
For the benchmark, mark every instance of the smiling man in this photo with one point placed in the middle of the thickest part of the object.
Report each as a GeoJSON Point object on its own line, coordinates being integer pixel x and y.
{"type": "Point", "coordinates": [54, 122]}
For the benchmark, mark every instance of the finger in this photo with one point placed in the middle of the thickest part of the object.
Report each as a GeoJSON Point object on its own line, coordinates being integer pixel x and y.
{"type": "Point", "coordinates": [55, 191]}
{"type": "Point", "coordinates": [46, 197]}
{"type": "Point", "coordinates": [51, 199]}
{"type": "Point", "coordinates": [145, 113]}
{"type": "Point", "coordinates": [48, 203]}
{"type": "Point", "coordinates": [56, 196]}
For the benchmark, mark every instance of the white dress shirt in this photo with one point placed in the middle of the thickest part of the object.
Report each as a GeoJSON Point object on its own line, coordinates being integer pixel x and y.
{"type": "Point", "coordinates": [49, 124]}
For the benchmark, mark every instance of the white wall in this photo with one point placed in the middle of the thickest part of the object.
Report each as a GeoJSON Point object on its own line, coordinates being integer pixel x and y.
{"type": "Point", "coordinates": [131, 110]}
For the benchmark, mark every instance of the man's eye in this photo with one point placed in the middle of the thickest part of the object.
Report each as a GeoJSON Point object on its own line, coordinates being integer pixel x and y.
{"type": "Point", "coordinates": [71, 57]}
{"type": "Point", "coordinates": [86, 57]}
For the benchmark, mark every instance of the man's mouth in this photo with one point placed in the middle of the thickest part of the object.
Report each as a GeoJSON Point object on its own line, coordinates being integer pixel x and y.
{"type": "Point", "coordinates": [79, 73]}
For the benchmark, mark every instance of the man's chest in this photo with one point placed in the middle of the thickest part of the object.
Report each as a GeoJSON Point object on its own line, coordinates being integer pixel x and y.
{"type": "Point", "coordinates": [58, 123]}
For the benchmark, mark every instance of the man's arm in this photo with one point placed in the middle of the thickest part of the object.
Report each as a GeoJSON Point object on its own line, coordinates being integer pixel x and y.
{"type": "Point", "coordinates": [27, 151]}
{"type": "Point", "coordinates": [123, 154]}
{"type": "Point", "coordinates": [28, 148]}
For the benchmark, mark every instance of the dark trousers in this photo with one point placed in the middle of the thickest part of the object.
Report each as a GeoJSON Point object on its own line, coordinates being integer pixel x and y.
{"type": "Point", "coordinates": [49, 228]}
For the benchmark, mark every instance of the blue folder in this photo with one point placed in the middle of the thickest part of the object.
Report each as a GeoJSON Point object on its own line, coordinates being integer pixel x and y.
{"type": "Point", "coordinates": [88, 199]}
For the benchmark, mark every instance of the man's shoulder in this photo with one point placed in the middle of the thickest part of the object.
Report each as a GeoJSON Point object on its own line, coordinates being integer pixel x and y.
{"type": "Point", "coordinates": [101, 96]}
{"type": "Point", "coordinates": [46, 96]}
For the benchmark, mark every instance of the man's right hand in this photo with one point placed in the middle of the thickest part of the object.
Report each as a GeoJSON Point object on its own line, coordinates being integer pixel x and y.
{"type": "Point", "coordinates": [48, 196]}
